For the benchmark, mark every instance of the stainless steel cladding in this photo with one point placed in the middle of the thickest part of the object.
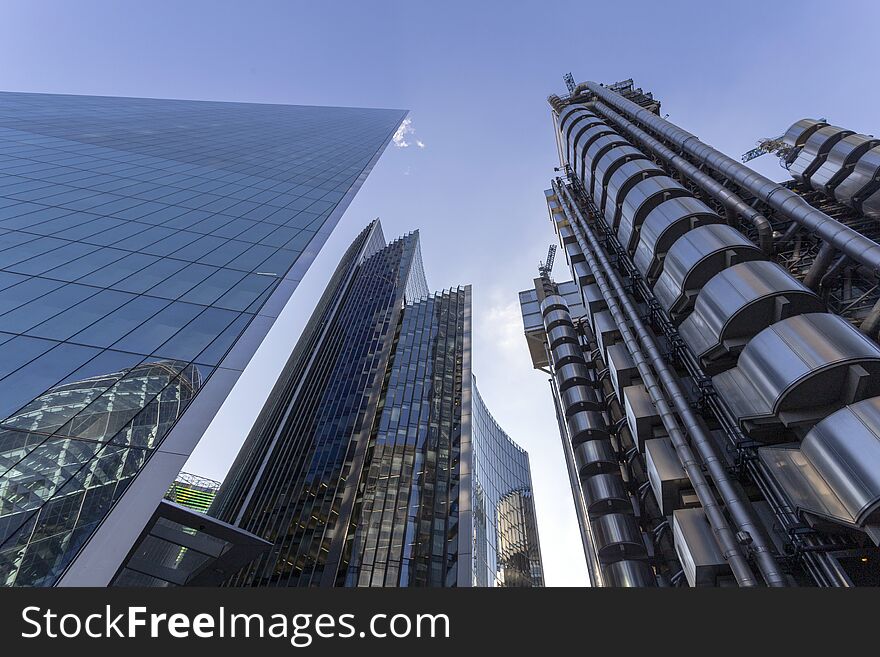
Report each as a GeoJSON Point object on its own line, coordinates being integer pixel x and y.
{"type": "Point", "coordinates": [849, 241]}
{"type": "Point", "coordinates": [643, 197]}
{"type": "Point", "coordinates": [663, 226]}
{"type": "Point", "coordinates": [628, 573]}
{"type": "Point", "coordinates": [720, 349]}
{"type": "Point", "coordinates": [796, 372]}
{"type": "Point", "coordinates": [797, 135]}
{"type": "Point", "coordinates": [841, 161]}
{"type": "Point", "coordinates": [694, 259]}
{"type": "Point", "coordinates": [604, 167]}
{"type": "Point", "coordinates": [859, 190]}
{"type": "Point", "coordinates": [613, 533]}
{"type": "Point", "coordinates": [737, 304]}
{"type": "Point", "coordinates": [622, 180]}
{"type": "Point", "coordinates": [835, 475]}
{"type": "Point", "coordinates": [815, 150]}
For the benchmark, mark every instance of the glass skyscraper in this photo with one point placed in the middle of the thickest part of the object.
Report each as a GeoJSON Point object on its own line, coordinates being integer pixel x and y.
{"type": "Point", "coordinates": [375, 461]}
{"type": "Point", "coordinates": [146, 248]}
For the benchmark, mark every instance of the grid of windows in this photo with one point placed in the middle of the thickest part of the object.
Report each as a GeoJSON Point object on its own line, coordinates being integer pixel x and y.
{"type": "Point", "coordinates": [408, 524]}
{"type": "Point", "coordinates": [138, 237]}
{"type": "Point", "coordinates": [354, 468]}
{"type": "Point", "coordinates": [507, 551]}
{"type": "Point", "coordinates": [290, 481]}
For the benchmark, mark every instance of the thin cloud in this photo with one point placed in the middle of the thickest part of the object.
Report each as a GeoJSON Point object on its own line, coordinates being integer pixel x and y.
{"type": "Point", "coordinates": [400, 137]}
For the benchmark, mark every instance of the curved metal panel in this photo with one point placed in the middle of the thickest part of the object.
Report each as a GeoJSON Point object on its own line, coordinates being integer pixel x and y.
{"type": "Point", "coordinates": [574, 130]}
{"type": "Point", "coordinates": [567, 353]}
{"type": "Point", "coordinates": [864, 178]}
{"type": "Point", "coordinates": [643, 197]}
{"type": "Point", "coordinates": [840, 162]}
{"type": "Point", "coordinates": [553, 302]}
{"type": "Point", "coordinates": [845, 450]}
{"type": "Point", "coordinates": [663, 226]}
{"type": "Point", "coordinates": [555, 318]}
{"type": "Point", "coordinates": [621, 181]}
{"type": "Point", "coordinates": [568, 114]}
{"type": "Point", "coordinates": [798, 371]}
{"type": "Point", "coordinates": [580, 398]}
{"type": "Point", "coordinates": [737, 304]}
{"type": "Point", "coordinates": [607, 164]}
{"type": "Point", "coordinates": [594, 153]}
{"type": "Point", "coordinates": [815, 151]}
{"type": "Point", "coordinates": [582, 143]}
{"type": "Point", "coordinates": [562, 333]}
{"type": "Point", "coordinates": [695, 258]}
{"type": "Point", "coordinates": [572, 115]}
{"type": "Point", "coordinates": [617, 538]}
{"type": "Point", "coordinates": [629, 574]}
{"type": "Point", "coordinates": [587, 425]}
{"type": "Point", "coordinates": [573, 374]}
{"type": "Point", "coordinates": [605, 493]}
{"type": "Point", "coordinates": [871, 205]}
{"type": "Point", "coordinates": [797, 135]}
{"type": "Point", "coordinates": [594, 457]}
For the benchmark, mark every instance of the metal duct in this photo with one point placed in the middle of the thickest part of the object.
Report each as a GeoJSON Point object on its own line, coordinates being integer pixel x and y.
{"type": "Point", "coordinates": [694, 259]}
{"type": "Point", "coordinates": [797, 371]}
{"type": "Point", "coordinates": [662, 228]}
{"type": "Point", "coordinates": [815, 151]}
{"type": "Point", "coordinates": [736, 305]}
{"type": "Point", "coordinates": [858, 247]}
{"type": "Point", "coordinates": [639, 201]}
{"type": "Point", "coordinates": [841, 161]}
{"type": "Point", "coordinates": [613, 527]}
{"type": "Point", "coordinates": [628, 573]}
{"type": "Point", "coordinates": [733, 498]}
{"type": "Point", "coordinates": [702, 180]}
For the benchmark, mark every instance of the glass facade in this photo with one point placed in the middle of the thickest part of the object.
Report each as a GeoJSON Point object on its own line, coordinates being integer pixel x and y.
{"type": "Point", "coordinates": [139, 238]}
{"type": "Point", "coordinates": [506, 547]}
{"type": "Point", "coordinates": [363, 465]}
{"type": "Point", "coordinates": [407, 526]}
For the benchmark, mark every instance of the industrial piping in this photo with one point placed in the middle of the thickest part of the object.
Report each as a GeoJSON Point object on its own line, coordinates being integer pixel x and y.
{"type": "Point", "coordinates": [704, 181]}
{"type": "Point", "coordinates": [731, 496]}
{"type": "Point", "coordinates": [726, 539]}
{"type": "Point", "coordinates": [848, 241]}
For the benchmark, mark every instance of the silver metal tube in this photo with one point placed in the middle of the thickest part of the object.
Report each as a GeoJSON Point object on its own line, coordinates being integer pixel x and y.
{"type": "Point", "coordinates": [819, 267]}
{"type": "Point", "coordinates": [726, 540]}
{"type": "Point", "coordinates": [740, 510]}
{"type": "Point", "coordinates": [704, 181]}
{"type": "Point", "coordinates": [580, 508]}
{"type": "Point", "coordinates": [871, 325]}
{"type": "Point", "coordinates": [783, 200]}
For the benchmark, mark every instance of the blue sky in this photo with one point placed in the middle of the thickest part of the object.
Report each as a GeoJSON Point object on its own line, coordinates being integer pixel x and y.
{"type": "Point", "coordinates": [475, 77]}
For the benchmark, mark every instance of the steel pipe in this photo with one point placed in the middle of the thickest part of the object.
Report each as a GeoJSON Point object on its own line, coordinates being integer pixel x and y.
{"type": "Point", "coordinates": [732, 497]}
{"type": "Point", "coordinates": [848, 241]}
{"type": "Point", "coordinates": [819, 267]}
{"type": "Point", "coordinates": [704, 181]}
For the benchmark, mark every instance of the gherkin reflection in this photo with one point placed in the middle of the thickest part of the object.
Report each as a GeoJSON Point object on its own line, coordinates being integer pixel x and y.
{"type": "Point", "coordinates": [70, 453]}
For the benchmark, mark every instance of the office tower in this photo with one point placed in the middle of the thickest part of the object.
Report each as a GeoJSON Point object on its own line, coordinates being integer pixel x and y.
{"type": "Point", "coordinates": [375, 462]}
{"type": "Point", "coordinates": [146, 248]}
{"type": "Point", "coordinates": [193, 492]}
{"type": "Point", "coordinates": [713, 359]}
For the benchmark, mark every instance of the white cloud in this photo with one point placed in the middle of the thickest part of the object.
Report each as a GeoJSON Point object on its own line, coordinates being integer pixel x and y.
{"type": "Point", "coordinates": [400, 137]}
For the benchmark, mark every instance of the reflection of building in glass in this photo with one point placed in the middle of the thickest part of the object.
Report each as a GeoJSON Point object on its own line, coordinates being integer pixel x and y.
{"type": "Point", "coordinates": [71, 452]}
{"type": "Point", "coordinates": [504, 511]}
{"type": "Point", "coordinates": [192, 491]}
{"type": "Point", "coordinates": [143, 231]}
{"type": "Point", "coordinates": [363, 465]}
